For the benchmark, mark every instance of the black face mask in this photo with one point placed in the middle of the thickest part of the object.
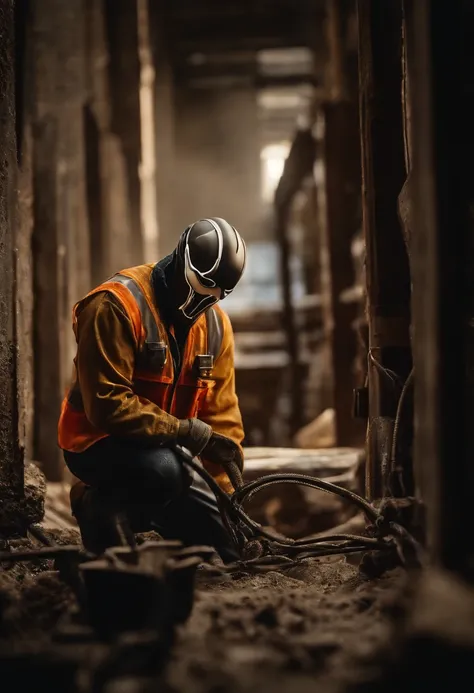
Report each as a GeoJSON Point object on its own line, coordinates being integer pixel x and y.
{"type": "Point", "coordinates": [208, 263]}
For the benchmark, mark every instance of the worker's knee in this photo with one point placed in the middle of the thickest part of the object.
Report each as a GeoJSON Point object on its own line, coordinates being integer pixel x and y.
{"type": "Point", "coordinates": [137, 473]}
{"type": "Point", "coordinates": [163, 476]}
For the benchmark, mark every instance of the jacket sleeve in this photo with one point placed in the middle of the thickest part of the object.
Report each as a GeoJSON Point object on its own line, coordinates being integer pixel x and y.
{"type": "Point", "coordinates": [221, 407]}
{"type": "Point", "coordinates": [105, 365]}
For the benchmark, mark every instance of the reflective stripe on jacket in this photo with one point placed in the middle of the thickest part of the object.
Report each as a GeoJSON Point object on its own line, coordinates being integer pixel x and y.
{"type": "Point", "coordinates": [211, 398]}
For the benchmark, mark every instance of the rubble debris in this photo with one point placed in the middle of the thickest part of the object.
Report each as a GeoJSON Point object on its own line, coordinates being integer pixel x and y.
{"type": "Point", "coordinates": [321, 624]}
{"type": "Point", "coordinates": [319, 433]}
{"type": "Point", "coordinates": [118, 625]}
{"type": "Point", "coordinates": [17, 513]}
{"type": "Point", "coordinates": [260, 632]}
{"type": "Point", "coordinates": [32, 596]}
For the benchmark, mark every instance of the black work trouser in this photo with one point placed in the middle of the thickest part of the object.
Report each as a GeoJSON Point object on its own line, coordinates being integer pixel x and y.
{"type": "Point", "coordinates": [152, 487]}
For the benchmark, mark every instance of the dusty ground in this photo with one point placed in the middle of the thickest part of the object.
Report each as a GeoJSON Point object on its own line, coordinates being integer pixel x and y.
{"type": "Point", "coordinates": [320, 625]}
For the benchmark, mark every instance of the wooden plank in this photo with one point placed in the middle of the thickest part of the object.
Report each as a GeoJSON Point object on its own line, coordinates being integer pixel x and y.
{"type": "Point", "coordinates": [325, 462]}
{"type": "Point", "coordinates": [387, 269]}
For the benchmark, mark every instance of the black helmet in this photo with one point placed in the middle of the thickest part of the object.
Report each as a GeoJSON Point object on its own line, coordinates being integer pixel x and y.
{"type": "Point", "coordinates": [210, 261]}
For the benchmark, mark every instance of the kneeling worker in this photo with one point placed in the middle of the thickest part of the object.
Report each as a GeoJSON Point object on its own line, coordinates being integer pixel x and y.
{"type": "Point", "coordinates": [155, 368]}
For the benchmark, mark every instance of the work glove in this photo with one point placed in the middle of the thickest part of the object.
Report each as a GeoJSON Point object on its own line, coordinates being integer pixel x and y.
{"type": "Point", "coordinates": [224, 452]}
{"type": "Point", "coordinates": [194, 435]}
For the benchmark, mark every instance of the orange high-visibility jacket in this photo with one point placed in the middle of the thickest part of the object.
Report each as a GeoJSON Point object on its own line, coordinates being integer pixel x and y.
{"type": "Point", "coordinates": [212, 399]}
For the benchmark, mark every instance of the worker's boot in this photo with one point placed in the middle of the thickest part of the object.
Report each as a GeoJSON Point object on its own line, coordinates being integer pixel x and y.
{"type": "Point", "coordinates": [101, 522]}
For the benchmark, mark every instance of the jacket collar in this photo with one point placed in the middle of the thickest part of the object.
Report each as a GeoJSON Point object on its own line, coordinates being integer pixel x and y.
{"type": "Point", "coordinates": [160, 281]}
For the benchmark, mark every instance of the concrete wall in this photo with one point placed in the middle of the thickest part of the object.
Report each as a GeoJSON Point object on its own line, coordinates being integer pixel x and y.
{"type": "Point", "coordinates": [86, 159]}
{"type": "Point", "coordinates": [70, 191]}
{"type": "Point", "coordinates": [164, 119]}
{"type": "Point", "coordinates": [61, 233]}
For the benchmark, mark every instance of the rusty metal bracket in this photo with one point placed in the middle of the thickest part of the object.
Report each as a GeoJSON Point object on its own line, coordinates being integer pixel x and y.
{"type": "Point", "coordinates": [360, 404]}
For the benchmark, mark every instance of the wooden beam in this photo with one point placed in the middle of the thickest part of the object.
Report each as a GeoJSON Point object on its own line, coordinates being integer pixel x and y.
{"type": "Point", "coordinates": [296, 419]}
{"type": "Point", "coordinates": [442, 112]}
{"type": "Point", "coordinates": [298, 165]}
{"type": "Point", "coordinates": [387, 269]}
{"type": "Point", "coordinates": [339, 193]}
{"type": "Point", "coordinates": [337, 51]}
{"type": "Point", "coordinates": [223, 28]}
{"type": "Point", "coordinates": [341, 156]}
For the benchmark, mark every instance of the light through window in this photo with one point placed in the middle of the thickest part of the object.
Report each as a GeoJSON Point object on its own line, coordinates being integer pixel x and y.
{"type": "Point", "coordinates": [273, 158]}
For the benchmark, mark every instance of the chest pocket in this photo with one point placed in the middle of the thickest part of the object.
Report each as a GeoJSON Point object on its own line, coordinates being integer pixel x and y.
{"type": "Point", "coordinates": [191, 394]}
{"type": "Point", "coordinates": [154, 356]}
{"type": "Point", "coordinates": [204, 363]}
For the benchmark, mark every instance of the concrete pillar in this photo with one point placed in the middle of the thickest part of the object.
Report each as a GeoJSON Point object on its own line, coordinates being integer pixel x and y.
{"type": "Point", "coordinates": [11, 452]}
{"type": "Point", "coordinates": [21, 485]}
{"type": "Point", "coordinates": [61, 234]}
{"type": "Point", "coordinates": [23, 244]}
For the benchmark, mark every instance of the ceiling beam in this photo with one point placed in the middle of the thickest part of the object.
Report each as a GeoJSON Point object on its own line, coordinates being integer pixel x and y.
{"type": "Point", "coordinates": [275, 30]}
{"type": "Point", "coordinates": [252, 10]}
{"type": "Point", "coordinates": [184, 46]}
{"type": "Point", "coordinates": [227, 80]}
